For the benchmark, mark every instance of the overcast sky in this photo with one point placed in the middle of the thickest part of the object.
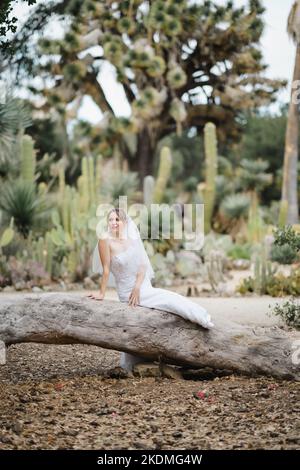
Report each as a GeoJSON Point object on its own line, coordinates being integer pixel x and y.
{"type": "Point", "coordinates": [278, 51]}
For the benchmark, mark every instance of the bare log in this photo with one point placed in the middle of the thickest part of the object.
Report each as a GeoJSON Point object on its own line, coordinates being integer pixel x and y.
{"type": "Point", "coordinates": [68, 318]}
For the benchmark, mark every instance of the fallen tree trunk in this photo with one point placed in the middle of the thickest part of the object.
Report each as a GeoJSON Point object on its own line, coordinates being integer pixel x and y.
{"type": "Point", "coordinates": [61, 318]}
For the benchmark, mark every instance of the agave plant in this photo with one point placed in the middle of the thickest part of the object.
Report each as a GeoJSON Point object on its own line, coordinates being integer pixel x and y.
{"type": "Point", "coordinates": [14, 116]}
{"type": "Point", "coordinates": [232, 214]}
{"type": "Point", "coordinates": [235, 206]}
{"type": "Point", "coordinates": [253, 176]}
{"type": "Point", "coordinates": [120, 184]}
{"type": "Point", "coordinates": [20, 200]}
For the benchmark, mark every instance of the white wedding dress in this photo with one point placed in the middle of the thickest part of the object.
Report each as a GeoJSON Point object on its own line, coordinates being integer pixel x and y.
{"type": "Point", "coordinates": [124, 266]}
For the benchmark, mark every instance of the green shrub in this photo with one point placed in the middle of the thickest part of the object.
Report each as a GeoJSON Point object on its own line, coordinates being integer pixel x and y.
{"type": "Point", "coordinates": [283, 254]}
{"type": "Point", "coordinates": [240, 251]}
{"type": "Point", "coordinates": [287, 236]}
{"type": "Point", "coordinates": [289, 312]}
{"type": "Point", "coordinates": [275, 285]}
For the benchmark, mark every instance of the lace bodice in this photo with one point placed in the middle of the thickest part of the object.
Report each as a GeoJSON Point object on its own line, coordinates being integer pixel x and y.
{"type": "Point", "coordinates": [124, 266]}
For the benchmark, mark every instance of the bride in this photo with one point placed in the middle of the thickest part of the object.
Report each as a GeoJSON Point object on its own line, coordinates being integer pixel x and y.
{"type": "Point", "coordinates": [121, 251]}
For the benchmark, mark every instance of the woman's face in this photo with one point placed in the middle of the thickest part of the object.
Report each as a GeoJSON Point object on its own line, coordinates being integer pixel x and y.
{"type": "Point", "coordinates": [115, 224]}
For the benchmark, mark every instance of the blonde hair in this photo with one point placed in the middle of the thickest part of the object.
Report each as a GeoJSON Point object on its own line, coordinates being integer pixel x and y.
{"type": "Point", "coordinates": [120, 213]}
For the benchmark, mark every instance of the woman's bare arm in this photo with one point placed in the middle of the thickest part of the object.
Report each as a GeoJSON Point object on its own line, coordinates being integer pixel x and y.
{"type": "Point", "coordinates": [140, 275]}
{"type": "Point", "coordinates": [134, 297]}
{"type": "Point", "coordinates": [104, 253]}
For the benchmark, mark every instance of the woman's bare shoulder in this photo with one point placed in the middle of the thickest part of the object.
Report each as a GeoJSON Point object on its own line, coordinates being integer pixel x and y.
{"type": "Point", "coordinates": [104, 240]}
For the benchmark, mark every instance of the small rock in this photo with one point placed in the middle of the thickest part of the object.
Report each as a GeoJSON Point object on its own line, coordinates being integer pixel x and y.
{"type": "Point", "coordinates": [177, 434]}
{"type": "Point", "coordinates": [8, 289]}
{"type": "Point", "coordinates": [17, 427]}
{"type": "Point", "coordinates": [36, 289]}
{"type": "Point", "coordinates": [146, 370]}
{"type": "Point", "coordinates": [171, 372]}
{"type": "Point", "coordinates": [88, 283]}
{"type": "Point", "coordinates": [293, 439]}
{"type": "Point", "coordinates": [20, 285]}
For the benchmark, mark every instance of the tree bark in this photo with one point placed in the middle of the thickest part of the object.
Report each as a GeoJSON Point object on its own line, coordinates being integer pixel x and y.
{"type": "Point", "coordinates": [60, 318]}
{"type": "Point", "coordinates": [290, 174]}
{"type": "Point", "coordinates": [145, 154]}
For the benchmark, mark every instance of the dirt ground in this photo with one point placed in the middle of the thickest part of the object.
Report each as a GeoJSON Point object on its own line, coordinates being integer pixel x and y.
{"type": "Point", "coordinates": [74, 397]}
{"type": "Point", "coordinates": [65, 397]}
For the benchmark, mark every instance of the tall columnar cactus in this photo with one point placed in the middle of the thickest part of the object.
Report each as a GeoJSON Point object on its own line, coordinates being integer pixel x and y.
{"type": "Point", "coordinates": [6, 237]}
{"type": "Point", "coordinates": [50, 252]}
{"type": "Point", "coordinates": [255, 227]}
{"type": "Point", "coordinates": [148, 190]}
{"type": "Point", "coordinates": [91, 176]}
{"type": "Point", "coordinates": [208, 189]}
{"type": "Point", "coordinates": [85, 183]}
{"type": "Point", "coordinates": [61, 182]}
{"type": "Point", "coordinates": [28, 159]}
{"type": "Point", "coordinates": [164, 173]}
{"type": "Point", "coordinates": [65, 207]}
{"type": "Point", "coordinates": [40, 251]}
{"type": "Point", "coordinates": [215, 263]}
{"type": "Point", "coordinates": [283, 212]}
{"type": "Point", "coordinates": [42, 188]}
{"type": "Point", "coordinates": [72, 263]}
{"type": "Point", "coordinates": [263, 271]}
{"type": "Point", "coordinates": [98, 178]}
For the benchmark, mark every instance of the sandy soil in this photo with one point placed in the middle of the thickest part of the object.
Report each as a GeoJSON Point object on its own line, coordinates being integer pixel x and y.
{"type": "Point", "coordinates": [65, 397]}
{"type": "Point", "coordinates": [74, 397]}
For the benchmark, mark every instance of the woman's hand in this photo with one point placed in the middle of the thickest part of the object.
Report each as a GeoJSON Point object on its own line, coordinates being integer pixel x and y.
{"type": "Point", "coordinates": [134, 298]}
{"type": "Point", "coordinates": [99, 296]}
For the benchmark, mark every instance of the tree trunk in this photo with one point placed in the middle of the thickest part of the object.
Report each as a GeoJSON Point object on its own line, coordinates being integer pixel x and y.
{"type": "Point", "coordinates": [61, 318]}
{"type": "Point", "coordinates": [290, 176]}
{"type": "Point", "coordinates": [144, 155]}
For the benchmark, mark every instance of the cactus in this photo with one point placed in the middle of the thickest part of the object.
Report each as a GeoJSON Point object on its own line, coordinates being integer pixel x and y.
{"type": "Point", "coordinates": [49, 255]}
{"type": "Point", "coordinates": [148, 189]}
{"type": "Point", "coordinates": [72, 263]}
{"type": "Point", "coordinates": [178, 113]}
{"type": "Point", "coordinates": [6, 237]}
{"type": "Point", "coordinates": [28, 158]}
{"type": "Point", "coordinates": [98, 178]}
{"type": "Point", "coordinates": [164, 172]}
{"type": "Point", "coordinates": [91, 177]}
{"type": "Point", "coordinates": [61, 182]}
{"type": "Point", "coordinates": [207, 190]}
{"type": "Point", "coordinates": [89, 182]}
{"type": "Point", "coordinates": [283, 212]}
{"type": "Point", "coordinates": [42, 188]}
{"type": "Point", "coordinates": [215, 264]}
{"type": "Point", "coordinates": [255, 227]}
{"type": "Point", "coordinates": [263, 271]}
{"type": "Point", "coordinates": [85, 183]}
{"type": "Point", "coordinates": [66, 209]}
{"type": "Point", "coordinates": [40, 254]}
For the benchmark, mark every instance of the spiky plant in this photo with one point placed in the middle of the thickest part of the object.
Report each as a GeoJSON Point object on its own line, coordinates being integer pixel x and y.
{"type": "Point", "coordinates": [19, 199]}
{"type": "Point", "coordinates": [253, 176]}
{"type": "Point", "coordinates": [235, 206]}
{"type": "Point", "coordinates": [14, 116]}
{"type": "Point", "coordinates": [120, 184]}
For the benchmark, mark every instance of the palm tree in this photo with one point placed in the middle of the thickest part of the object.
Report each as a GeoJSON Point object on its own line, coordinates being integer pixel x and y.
{"type": "Point", "coordinates": [289, 183]}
